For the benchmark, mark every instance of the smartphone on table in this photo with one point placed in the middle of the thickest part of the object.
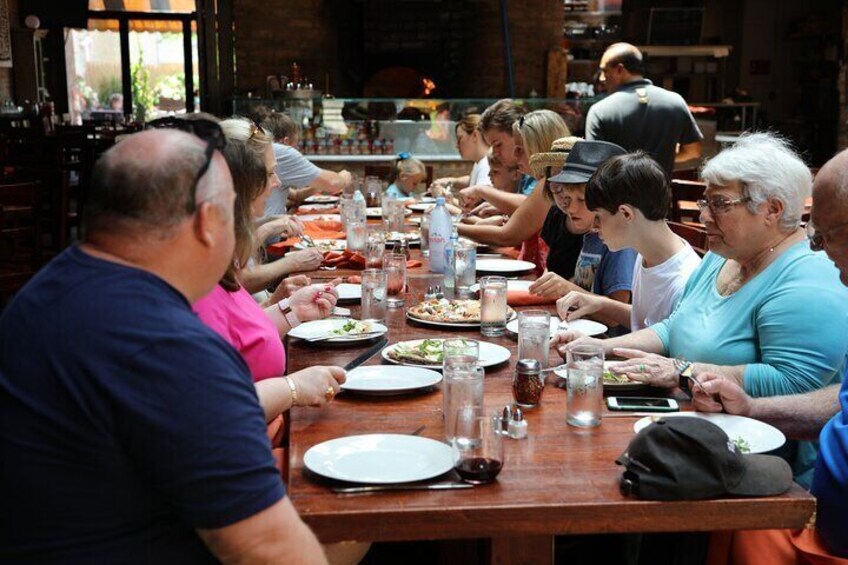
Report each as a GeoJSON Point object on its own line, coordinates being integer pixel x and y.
{"type": "Point", "coordinates": [642, 404]}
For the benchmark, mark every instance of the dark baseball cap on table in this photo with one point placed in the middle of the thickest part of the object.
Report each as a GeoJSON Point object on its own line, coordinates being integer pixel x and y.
{"type": "Point", "coordinates": [686, 458]}
{"type": "Point", "coordinates": [584, 159]}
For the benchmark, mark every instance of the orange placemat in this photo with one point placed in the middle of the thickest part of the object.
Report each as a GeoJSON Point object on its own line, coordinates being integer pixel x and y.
{"type": "Point", "coordinates": [524, 298]}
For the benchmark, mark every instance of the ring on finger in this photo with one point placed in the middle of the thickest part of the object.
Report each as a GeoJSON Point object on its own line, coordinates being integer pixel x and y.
{"type": "Point", "coordinates": [329, 393]}
{"type": "Point", "coordinates": [642, 368]}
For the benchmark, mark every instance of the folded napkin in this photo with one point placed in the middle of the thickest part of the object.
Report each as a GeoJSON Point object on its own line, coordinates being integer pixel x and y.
{"type": "Point", "coordinates": [317, 229]}
{"type": "Point", "coordinates": [350, 260]}
{"type": "Point", "coordinates": [524, 298]}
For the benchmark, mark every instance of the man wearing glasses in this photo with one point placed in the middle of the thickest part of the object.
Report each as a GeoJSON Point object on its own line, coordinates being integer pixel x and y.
{"type": "Point", "coordinates": [821, 414]}
{"type": "Point", "coordinates": [129, 431]}
{"type": "Point", "coordinates": [639, 115]}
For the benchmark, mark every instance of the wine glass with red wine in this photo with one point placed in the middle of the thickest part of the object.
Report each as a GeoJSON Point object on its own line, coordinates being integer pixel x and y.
{"type": "Point", "coordinates": [479, 446]}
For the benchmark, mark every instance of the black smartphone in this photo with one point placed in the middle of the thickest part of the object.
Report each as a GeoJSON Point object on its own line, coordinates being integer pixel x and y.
{"type": "Point", "coordinates": [642, 404]}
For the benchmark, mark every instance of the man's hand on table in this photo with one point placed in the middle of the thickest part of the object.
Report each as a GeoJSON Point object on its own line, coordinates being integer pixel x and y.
{"type": "Point", "coordinates": [649, 368]}
{"type": "Point", "coordinates": [717, 394]}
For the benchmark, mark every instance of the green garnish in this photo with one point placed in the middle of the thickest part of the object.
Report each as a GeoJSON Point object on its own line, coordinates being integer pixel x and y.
{"type": "Point", "coordinates": [742, 445]}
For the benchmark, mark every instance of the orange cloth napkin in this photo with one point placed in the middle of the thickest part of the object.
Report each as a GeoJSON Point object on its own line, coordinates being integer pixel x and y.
{"type": "Point", "coordinates": [318, 229]}
{"type": "Point", "coordinates": [350, 260]}
{"type": "Point", "coordinates": [524, 298]}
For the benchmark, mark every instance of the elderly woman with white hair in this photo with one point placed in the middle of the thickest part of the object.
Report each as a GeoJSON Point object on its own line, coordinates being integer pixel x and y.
{"type": "Point", "coordinates": [762, 309]}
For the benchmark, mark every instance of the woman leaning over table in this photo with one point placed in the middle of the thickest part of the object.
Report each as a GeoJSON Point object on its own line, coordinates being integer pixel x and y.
{"type": "Point", "coordinates": [534, 133]}
{"type": "Point", "coordinates": [762, 309]}
{"type": "Point", "coordinates": [231, 311]}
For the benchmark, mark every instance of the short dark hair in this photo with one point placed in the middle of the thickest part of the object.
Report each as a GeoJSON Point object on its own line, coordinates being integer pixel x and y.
{"type": "Point", "coordinates": [280, 125]}
{"type": "Point", "coordinates": [500, 116]}
{"type": "Point", "coordinates": [635, 179]}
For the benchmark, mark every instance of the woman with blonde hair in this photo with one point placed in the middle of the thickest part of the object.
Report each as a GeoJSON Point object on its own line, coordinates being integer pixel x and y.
{"type": "Point", "coordinates": [532, 133]}
{"type": "Point", "coordinates": [471, 147]}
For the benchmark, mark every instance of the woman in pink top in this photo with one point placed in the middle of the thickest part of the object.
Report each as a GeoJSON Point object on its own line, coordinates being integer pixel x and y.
{"type": "Point", "coordinates": [231, 311]}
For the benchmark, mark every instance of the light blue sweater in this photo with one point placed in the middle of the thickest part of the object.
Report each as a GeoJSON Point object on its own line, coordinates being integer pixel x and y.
{"type": "Point", "coordinates": [788, 326]}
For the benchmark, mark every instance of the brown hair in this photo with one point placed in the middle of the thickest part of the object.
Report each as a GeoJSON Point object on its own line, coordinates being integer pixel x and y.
{"type": "Point", "coordinates": [245, 156]}
{"type": "Point", "coordinates": [500, 116]}
{"type": "Point", "coordinates": [280, 125]}
{"type": "Point", "coordinates": [469, 123]}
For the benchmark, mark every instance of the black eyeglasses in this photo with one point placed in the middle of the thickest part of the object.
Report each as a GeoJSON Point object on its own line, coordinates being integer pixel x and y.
{"type": "Point", "coordinates": [208, 131]}
{"type": "Point", "coordinates": [819, 239]}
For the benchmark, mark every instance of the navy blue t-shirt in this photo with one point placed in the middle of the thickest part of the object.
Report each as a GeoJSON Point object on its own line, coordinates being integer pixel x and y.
{"type": "Point", "coordinates": [125, 423]}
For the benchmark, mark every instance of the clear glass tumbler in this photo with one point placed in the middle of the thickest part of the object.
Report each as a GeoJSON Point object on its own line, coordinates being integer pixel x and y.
{"type": "Point", "coordinates": [459, 356]}
{"type": "Point", "coordinates": [374, 249]}
{"type": "Point", "coordinates": [478, 447]}
{"type": "Point", "coordinates": [357, 235]}
{"type": "Point", "coordinates": [585, 385]}
{"type": "Point", "coordinates": [373, 295]}
{"type": "Point", "coordinates": [463, 392]}
{"type": "Point", "coordinates": [493, 306]}
{"type": "Point", "coordinates": [394, 265]}
{"type": "Point", "coordinates": [465, 268]}
{"type": "Point", "coordinates": [534, 335]}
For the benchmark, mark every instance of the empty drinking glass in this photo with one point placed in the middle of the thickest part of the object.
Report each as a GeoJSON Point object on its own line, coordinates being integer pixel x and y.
{"type": "Point", "coordinates": [394, 265]}
{"type": "Point", "coordinates": [478, 446]}
{"type": "Point", "coordinates": [585, 385]}
{"type": "Point", "coordinates": [534, 333]}
{"type": "Point", "coordinates": [463, 390]}
{"type": "Point", "coordinates": [493, 306]}
{"type": "Point", "coordinates": [374, 249]}
{"type": "Point", "coordinates": [373, 295]}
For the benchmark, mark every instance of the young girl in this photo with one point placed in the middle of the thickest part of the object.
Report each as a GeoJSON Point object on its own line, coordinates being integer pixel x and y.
{"type": "Point", "coordinates": [407, 174]}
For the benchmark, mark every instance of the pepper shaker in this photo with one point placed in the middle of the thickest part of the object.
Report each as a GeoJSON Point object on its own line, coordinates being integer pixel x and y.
{"type": "Point", "coordinates": [506, 418]}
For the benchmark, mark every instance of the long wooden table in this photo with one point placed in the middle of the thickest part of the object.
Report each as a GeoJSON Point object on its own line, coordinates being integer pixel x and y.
{"type": "Point", "coordinates": [561, 480]}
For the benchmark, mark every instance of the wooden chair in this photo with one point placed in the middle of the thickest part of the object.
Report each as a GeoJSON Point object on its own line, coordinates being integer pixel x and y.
{"type": "Point", "coordinates": [684, 194]}
{"type": "Point", "coordinates": [695, 235]}
{"type": "Point", "coordinates": [20, 236]}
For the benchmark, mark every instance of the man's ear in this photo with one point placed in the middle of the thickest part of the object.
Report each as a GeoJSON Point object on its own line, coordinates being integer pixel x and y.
{"type": "Point", "coordinates": [206, 220]}
{"type": "Point", "coordinates": [626, 212]}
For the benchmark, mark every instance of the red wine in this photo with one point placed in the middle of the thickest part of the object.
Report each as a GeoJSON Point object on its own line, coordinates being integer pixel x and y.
{"type": "Point", "coordinates": [479, 469]}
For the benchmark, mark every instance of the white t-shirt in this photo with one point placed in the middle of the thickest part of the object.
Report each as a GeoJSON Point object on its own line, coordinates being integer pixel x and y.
{"type": "Point", "coordinates": [480, 173]}
{"type": "Point", "coordinates": [294, 170]}
{"type": "Point", "coordinates": [656, 290]}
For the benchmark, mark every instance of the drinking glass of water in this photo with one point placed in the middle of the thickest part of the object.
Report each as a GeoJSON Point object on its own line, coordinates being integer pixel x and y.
{"type": "Point", "coordinates": [465, 268]}
{"type": "Point", "coordinates": [534, 333]}
{"type": "Point", "coordinates": [462, 383]}
{"type": "Point", "coordinates": [373, 295]}
{"type": "Point", "coordinates": [585, 385]}
{"type": "Point", "coordinates": [493, 306]}
{"type": "Point", "coordinates": [356, 235]}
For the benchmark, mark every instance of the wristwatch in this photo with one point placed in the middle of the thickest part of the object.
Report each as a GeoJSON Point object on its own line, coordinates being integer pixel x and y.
{"type": "Point", "coordinates": [685, 369]}
{"type": "Point", "coordinates": [288, 314]}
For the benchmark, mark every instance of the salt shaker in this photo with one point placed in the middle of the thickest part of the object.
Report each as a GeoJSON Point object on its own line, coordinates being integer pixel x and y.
{"type": "Point", "coordinates": [506, 418]}
{"type": "Point", "coordinates": [518, 425]}
{"type": "Point", "coordinates": [528, 383]}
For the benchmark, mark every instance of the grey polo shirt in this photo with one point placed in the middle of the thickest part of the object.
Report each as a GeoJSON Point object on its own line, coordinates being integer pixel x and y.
{"type": "Point", "coordinates": [294, 170]}
{"type": "Point", "coordinates": [640, 115]}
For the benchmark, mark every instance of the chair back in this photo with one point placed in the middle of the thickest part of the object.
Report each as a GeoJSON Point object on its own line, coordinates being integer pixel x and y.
{"type": "Point", "coordinates": [684, 195]}
{"type": "Point", "coordinates": [695, 235]}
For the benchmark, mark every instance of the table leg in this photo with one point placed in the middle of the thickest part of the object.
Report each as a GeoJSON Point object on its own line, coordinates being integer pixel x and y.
{"type": "Point", "coordinates": [523, 550]}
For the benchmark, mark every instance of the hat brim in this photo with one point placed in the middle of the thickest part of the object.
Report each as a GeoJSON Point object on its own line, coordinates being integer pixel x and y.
{"type": "Point", "coordinates": [570, 177]}
{"type": "Point", "coordinates": [765, 475]}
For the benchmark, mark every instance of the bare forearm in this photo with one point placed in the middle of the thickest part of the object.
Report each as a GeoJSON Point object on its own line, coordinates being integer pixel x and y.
{"type": "Point", "coordinates": [274, 396]}
{"type": "Point", "coordinates": [505, 202]}
{"type": "Point", "coordinates": [735, 373]}
{"type": "Point", "coordinates": [799, 416]}
{"type": "Point", "coordinates": [260, 277]}
{"type": "Point", "coordinates": [617, 311]}
{"type": "Point", "coordinates": [526, 221]}
{"type": "Point", "coordinates": [644, 340]}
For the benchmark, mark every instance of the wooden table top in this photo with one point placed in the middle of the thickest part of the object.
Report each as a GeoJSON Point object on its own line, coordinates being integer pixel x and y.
{"type": "Point", "coordinates": [561, 480]}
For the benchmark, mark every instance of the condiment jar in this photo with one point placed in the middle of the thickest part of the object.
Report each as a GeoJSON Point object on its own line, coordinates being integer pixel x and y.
{"type": "Point", "coordinates": [528, 383]}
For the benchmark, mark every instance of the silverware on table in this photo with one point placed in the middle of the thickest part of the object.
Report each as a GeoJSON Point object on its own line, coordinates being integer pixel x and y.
{"type": "Point", "coordinates": [418, 430]}
{"type": "Point", "coordinates": [348, 337]}
{"type": "Point", "coordinates": [450, 485]}
{"type": "Point", "coordinates": [373, 350]}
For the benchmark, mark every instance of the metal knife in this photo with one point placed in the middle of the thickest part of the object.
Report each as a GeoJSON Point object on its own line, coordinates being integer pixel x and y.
{"type": "Point", "coordinates": [373, 350]}
{"type": "Point", "coordinates": [382, 488]}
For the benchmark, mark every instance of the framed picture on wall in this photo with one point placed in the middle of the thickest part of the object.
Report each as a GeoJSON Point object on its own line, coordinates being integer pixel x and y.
{"type": "Point", "coordinates": [5, 36]}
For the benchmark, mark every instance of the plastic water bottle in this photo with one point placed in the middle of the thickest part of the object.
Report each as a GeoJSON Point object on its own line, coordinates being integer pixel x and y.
{"type": "Point", "coordinates": [359, 207]}
{"type": "Point", "coordinates": [450, 261]}
{"type": "Point", "coordinates": [440, 231]}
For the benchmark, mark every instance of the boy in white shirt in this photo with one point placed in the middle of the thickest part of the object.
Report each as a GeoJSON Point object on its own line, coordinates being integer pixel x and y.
{"type": "Point", "coordinates": [630, 195]}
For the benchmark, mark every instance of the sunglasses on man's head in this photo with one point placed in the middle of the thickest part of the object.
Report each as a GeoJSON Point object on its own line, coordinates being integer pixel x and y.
{"type": "Point", "coordinates": [208, 131]}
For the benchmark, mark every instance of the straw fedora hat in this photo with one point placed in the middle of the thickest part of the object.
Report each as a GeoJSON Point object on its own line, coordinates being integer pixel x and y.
{"type": "Point", "coordinates": [555, 158]}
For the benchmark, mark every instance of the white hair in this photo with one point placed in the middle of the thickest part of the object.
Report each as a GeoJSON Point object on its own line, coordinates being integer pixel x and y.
{"type": "Point", "coordinates": [767, 168]}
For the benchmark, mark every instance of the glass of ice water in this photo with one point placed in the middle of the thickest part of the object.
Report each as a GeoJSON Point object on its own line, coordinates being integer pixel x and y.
{"type": "Point", "coordinates": [373, 295]}
{"type": "Point", "coordinates": [463, 392]}
{"type": "Point", "coordinates": [493, 305]}
{"type": "Point", "coordinates": [465, 268]}
{"type": "Point", "coordinates": [534, 334]}
{"type": "Point", "coordinates": [459, 358]}
{"type": "Point", "coordinates": [585, 385]}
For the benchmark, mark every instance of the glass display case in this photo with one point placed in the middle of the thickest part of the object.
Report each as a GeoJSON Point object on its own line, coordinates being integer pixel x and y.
{"type": "Point", "coordinates": [371, 129]}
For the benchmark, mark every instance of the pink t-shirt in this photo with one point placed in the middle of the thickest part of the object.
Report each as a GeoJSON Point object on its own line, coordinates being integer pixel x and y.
{"type": "Point", "coordinates": [237, 317]}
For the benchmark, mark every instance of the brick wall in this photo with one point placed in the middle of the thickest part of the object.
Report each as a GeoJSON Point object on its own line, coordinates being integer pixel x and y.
{"type": "Point", "coordinates": [457, 42]}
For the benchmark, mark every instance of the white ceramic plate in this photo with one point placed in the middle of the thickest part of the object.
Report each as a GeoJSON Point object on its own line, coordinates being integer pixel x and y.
{"type": "Point", "coordinates": [380, 458]}
{"type": "Point", "coordinates": [349, 291]}
{"type": "Point", "coordinates": [321, 328]}
{"type": "Point", "coordinates": [313, 217]}
{"type": "Point", "coordinates": [316, 208]}
{"type": "Point", "coordinates": [410, 237]}
{"type": "Point", "coordinates": [509, 266]}
{"type": "Point", "coordinates": [490, 355]}
{"type": "Point", "coordinates": [324, 244]}
{"type": "Point", "coordinates": [389, 380]}
{"type": "Point", "coordinates": [613, 387]}
{"type": "Point", "coordinates": [378, 212]}
{"type": "Point", "coordinates": [761, 437]}
{"type": "Point", "coordinates": [586, 327]}
{"type": "Point", "coordinates": [321, 199]}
